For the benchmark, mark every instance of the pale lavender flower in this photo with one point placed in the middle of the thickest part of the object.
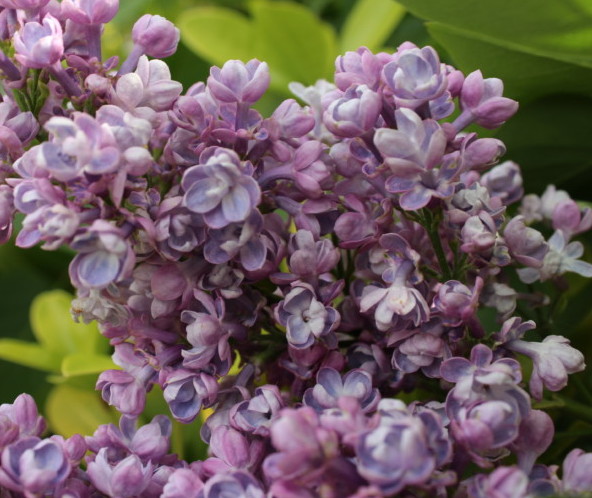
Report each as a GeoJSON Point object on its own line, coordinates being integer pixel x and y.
{"type": "Point", "coordinates": [122, 390]}
{"type": "Point", "coordinates": [361, 67]}
{"type": "Point", "coordinates": [127, 478]}
{"type": "Point", "coordinates": [570, 219]}
{"type": "Point", "coordinates": [20, 419]}
{"type": "Point", "coordinates": [553, 359]}
{"type": "Point", "coordinates": [503, 482]}
{"type": "Point", "coordinates": [256, 414]}
{"type": "Point", "coordinates": [89, 11]}
{"type": "Point", "coordinates": [220, 188]}
{"type": "Point", "coordinates": [237, 82]}
{"type": "Point", "coordinates": [404, 450]}
{"type": "Point", "coordinates": [577, 477]}
{"type": "Point", "coordinates": [559, 259]}
{"type": "Point", "coordinates": [354, 113]}
{"type": "Point", "coordinates": [504, 181]}
{"type": "Point", "coordinates": [24, 4]}
{"type": "Point", "coordinates": [423, 350]}
{"type": "Point", "coordinates": [305, 317]}
{"type": "Point", "coordinates": [415, 76]}
{"type": "Point", "coordinates": [233, 450]}
{"type": "Point", "coordinates": [183, 483]}
{"type": "Point", "coordinates": [39, 45]}
{"type": "Point", "coordinates": [34, 466]}
{"type": "Point", "coordinates": [53, 225]}
{"type": "Point", "coordinates": [456, 303]}
{"type": "Point", "coordinates": [309, 257]}
{"type": "Point", "coordinates": [291, 120]}
{"type": "Point", "coordinates": [104, 256]}
{"type": "Point", "coordinates": [186, 392]}
{"type": "Point", "coordinates": [331, 386]}
{"type": "Point", "coordinates": [238, 484]}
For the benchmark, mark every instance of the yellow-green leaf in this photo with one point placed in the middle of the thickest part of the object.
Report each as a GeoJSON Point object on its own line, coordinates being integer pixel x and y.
{"type": "Point", "coordinates": [30, 355]}
{"type": "Point", "coordinates": [85, 364]}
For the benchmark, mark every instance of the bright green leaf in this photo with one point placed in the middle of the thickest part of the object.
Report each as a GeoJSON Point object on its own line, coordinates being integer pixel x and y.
{"type": "Point", "coordinates": [555, 29]}
{"type": "Point", "coordinates": [217, 34]}
{"type": "Point", "coordinates": [29, 354]}
{"type": "Point", "coordinates": [290, 38]}
{"type": "Point", "coordinates": [85, 364]}
{"type": "Point", "coordinates": [525, 76]}
{"type": "Point", "coordinates": [55, 328]}
{"type": "Point", "coordinates": [370, 23]}
{"type": "Point", "coordinates": [76, 411]}
{"type": "Point", "coordinates": [293, 41]}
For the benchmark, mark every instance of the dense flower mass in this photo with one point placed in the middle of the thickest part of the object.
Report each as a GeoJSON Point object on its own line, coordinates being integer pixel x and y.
{"type": "Point", "coordinates": [338, 254]}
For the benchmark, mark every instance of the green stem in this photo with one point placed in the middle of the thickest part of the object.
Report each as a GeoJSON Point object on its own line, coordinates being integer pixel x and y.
{"type": "Point", "coordinates": [582, 411]}
{"type": "Point", "coordinates": [432, 223]}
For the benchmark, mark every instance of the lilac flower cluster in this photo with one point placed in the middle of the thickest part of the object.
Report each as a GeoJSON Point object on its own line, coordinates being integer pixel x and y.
{"type": "Point", "coordinates": [337, 253]}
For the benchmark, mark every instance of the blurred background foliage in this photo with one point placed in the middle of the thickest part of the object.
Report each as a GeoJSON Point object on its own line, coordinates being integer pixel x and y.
{"type": "Point", "coordinates": [541, 50]}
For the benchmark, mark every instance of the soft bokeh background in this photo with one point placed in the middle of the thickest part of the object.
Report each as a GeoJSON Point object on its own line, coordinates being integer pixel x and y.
{"type": "Point", "coordinates": [541, 50]}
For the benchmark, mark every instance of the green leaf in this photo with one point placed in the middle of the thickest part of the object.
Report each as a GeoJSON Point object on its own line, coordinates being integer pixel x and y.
{"type": "Point", "coordinates": [556, 29]}
{"type": "Point", "coordinates": [217, 34]}
{"type": "Point", "coordinates": [370, 23]}
{"type": "Point", "coordinates": [29, 354]}
{"type": "Point", "coordinates": [290, 38]}
{"type": "Point", "coordinates": [550, 139]}
{"type": "Point", "coordinates": [526, 76]}
{"type": "Point", "coordinates": [55, 328]}
{"type": "Point", "coordinates": [76, 411]}
{"type": "Point", "coordinates": [84, 364]}
{"type": "Point", "coordinates": [294, 42]}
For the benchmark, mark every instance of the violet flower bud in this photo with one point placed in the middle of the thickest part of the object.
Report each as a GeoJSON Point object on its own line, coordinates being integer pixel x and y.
{"type": "Point", "coordinates": [503, 482]}
{"type": "Point", "coordinates": [6, 213]}
{"type": "Point", "coordinates": [505, 182]}
{"type": "Point", "coordinates": [568, 218]}
{"type": "Point", "coordinates": [122, 390]}
{"type": "Point", "coordinates": [361, 67]}
{"type": "Point", "coordinates": [526, 245]}
{"type": "Point", "coordinates": [577, 477]}
{"type": "Point", "coordinates": [24, 416]}
{"type": "Point", "coordinates": [39, 45]}
{"type": "Point", "coordinates": [157, 36]}
{"type": "Point", "coordinates": [239, 82]}
{"type": "Point", "coordinates": [183, 483]}
{"type": "Point", "coordinates": [125, 479]}
{"type": "Point", "coordinates": [456, 302]}
{"type": "Point", "coordinates": [24, 4]}
{"type": "Point", "coordinates": [535, 435]}
{"type": "Point", "coordinates": [482, 102]}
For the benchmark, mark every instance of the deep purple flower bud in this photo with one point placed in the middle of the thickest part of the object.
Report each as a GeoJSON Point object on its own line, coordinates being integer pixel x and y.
{"type": "Point", "coordinates": [239, 82]}
{"type": "Point", "coordinates": [553, 359]}
{"type": "Point", "coordinates": [104, 256]}
{"type": "Point", "coordinates": [256, 414]}
{"type": "Point", "coordinates": [220, 188]}
{"type": "Point", "coordinates": [526, 245]}
{"type": "Point", "coordinates": [34, 466]}
{"type": "Point", "coordinates": [237, 484]}
{"type": "Point", "coordinates": [505, 182]}
{"type": "Point", "coordinates": [186, 392]}
{"type": "Point", "coordinates": [126, 478]}
{"type": "Point", "coordinates": [39, 45]}
{"type": "Point", "coordinates": [415, 76]}
{"type": "Point", "coordinates": [482, 102]}
{"type": "Point", "coordinates": [353, 114]}
{"type": "Point", "coordinates": [157, 36]}
{"type": "Point", "coordinates": [89, 11]}
{"type": "Point", "coordinates": [304, 317]}
{"type": "Point", "coordinates": [577, 477]}
{"type": "Point", "coordinates": [331, 387]}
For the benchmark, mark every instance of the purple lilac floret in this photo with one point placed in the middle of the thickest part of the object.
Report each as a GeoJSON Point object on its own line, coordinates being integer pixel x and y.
{"type": "Point", "coordinates": [296, 275]}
